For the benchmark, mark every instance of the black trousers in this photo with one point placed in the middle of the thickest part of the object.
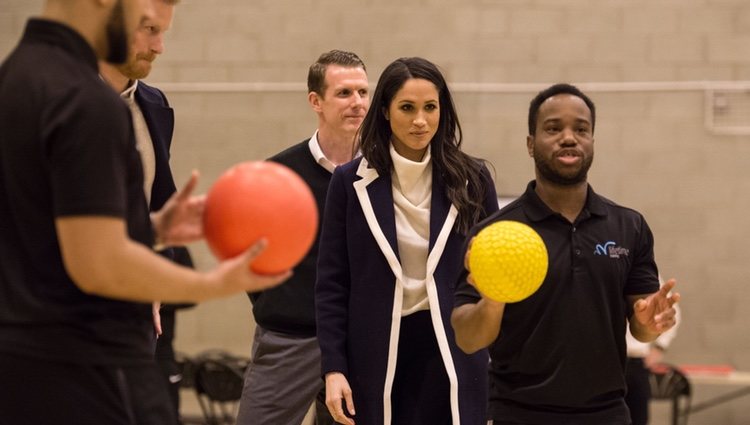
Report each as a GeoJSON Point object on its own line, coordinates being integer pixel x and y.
{"type": "Point", "coordinates": [421, 389]}
{"type": "Point", "coordinates": [39, 392]}
{"type": "Point", "coordinates": [639, 390]}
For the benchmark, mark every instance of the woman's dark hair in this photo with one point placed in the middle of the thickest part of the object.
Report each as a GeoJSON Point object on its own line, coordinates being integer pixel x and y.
{"type": "Point", "coordinates": [461, 173]}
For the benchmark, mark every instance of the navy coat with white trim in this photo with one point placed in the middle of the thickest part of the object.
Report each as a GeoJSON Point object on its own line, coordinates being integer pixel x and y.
{"type": "Point", "coordinates": [359, 293]}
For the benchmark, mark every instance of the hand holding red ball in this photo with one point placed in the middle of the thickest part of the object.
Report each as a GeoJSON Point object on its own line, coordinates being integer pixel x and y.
{"type": "Point", "coordinates": [261, 199]}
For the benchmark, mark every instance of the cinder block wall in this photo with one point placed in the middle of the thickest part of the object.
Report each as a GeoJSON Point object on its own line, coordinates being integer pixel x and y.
{"type": "Point", "coordinates": [641, 61]}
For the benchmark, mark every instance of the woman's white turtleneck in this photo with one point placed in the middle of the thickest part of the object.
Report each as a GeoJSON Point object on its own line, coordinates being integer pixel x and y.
{"type": "Point", "coordinates": [412, 195]}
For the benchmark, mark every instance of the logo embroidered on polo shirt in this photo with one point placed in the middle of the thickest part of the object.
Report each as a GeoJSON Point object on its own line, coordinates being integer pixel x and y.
{"type": "Point", "coordinates": [611, 249]}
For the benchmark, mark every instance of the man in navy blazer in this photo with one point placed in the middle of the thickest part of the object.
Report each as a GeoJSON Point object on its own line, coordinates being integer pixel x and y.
{"type": "Point", "coordinates": [153, 124]}
{"type": "Point", "coordinates": [153, 118]}
{"type": "Point", "coordinates": [159, 117]}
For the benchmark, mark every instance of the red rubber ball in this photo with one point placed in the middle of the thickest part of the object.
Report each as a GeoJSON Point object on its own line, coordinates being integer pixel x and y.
{"type": "Point", "coordinates": [261, 199]}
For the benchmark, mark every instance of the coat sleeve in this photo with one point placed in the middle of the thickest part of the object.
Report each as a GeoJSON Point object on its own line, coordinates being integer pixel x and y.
{"type": "Point", "coordinates": [333, 279]}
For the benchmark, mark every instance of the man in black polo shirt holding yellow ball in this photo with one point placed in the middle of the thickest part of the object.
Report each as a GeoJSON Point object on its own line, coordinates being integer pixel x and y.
{"type": "Point", "coordinates": [558, 356]}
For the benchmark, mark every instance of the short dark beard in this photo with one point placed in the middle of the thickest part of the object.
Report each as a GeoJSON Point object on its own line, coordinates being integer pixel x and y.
{"type": "Point", "coordinates": [547, 173]}
{"type": "Point", "coordinates": [117, 36]}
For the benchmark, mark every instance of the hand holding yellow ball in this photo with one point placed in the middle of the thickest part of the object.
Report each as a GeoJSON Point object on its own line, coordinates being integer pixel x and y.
{"type": "Point", "coordinates": [507, 261]}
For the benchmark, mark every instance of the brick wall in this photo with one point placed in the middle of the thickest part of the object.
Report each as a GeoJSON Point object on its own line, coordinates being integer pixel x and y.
{"type": "Point", "coordinates": [653, 152]}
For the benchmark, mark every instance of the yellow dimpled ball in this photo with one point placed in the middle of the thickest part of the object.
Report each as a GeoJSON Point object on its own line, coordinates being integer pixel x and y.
{"type": "Point", "coordinates": [508, 261]}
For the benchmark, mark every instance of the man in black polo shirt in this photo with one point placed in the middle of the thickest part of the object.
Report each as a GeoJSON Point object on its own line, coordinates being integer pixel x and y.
{"type": "Point", "coordinates": [77, 273]}
{"type": "Point", "coordinates": [559, 356]}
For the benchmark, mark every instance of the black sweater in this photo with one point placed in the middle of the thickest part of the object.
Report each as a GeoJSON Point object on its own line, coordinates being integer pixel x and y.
{"type": "Point", "coordinates": [290, 307]}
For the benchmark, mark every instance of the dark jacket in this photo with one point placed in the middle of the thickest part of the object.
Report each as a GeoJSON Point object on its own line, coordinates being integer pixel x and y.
{"type": "Point", "coordinates": [160, 121]}
{"type": "Point", "coordinates": [359, 292]}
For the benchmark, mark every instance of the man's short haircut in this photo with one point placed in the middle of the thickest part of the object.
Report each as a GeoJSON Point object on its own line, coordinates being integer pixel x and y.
{"type": "Point", "coordinates": [316, 76]}
{"type": "Point", "coordinates": [560, 88]}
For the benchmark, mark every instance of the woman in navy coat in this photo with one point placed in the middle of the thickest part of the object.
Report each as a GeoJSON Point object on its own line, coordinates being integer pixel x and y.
{"type": "Point", "coordinates": [390, 256]}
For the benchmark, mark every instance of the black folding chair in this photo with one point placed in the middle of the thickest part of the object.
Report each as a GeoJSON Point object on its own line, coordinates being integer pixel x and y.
{"type": "Point", "coordinates": [669, 383]}
{"type": "Point", "coordinates": [218, 380]}
{"type": "Point", "coordinates": [186, 365]}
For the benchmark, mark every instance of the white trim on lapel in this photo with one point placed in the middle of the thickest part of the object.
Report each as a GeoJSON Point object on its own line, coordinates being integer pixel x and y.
{"type": "Point", "coordinates": [445, 350]}
{"type": "Point", "coordinates": [437, 250]}
{"type": "Point", "coordinates": [360, 187]}
{"type": "Point", "coordinates": [437, 322]}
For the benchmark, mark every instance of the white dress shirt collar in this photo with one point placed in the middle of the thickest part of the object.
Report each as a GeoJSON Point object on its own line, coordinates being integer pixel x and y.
{"type": "Point", "coordinates": [318, 154]}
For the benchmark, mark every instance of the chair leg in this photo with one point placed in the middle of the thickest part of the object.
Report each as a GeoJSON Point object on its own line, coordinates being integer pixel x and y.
{"type": "Point", "coordinates": [680, 411]}
{"type": "Point", "coordinates": [204, 410]}
{"type": "Point", "coordinates": [685, 411]}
